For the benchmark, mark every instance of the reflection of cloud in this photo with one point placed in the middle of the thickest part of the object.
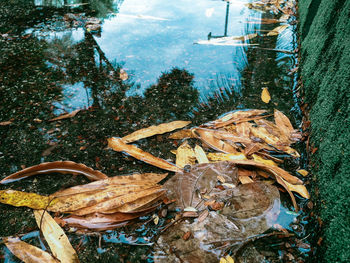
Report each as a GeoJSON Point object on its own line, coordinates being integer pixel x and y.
{"type": "Point", "coordinates": [209, 12]}
{"type": "Point", "coordinates": [149, 47]}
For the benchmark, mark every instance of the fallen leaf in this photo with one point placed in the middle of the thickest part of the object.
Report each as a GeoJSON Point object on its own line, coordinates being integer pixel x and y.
{"type": "Point", "coordinates": [182, 134]}
{"type": "Point", "coordinates": [119, 180]}
{"type": "Point", "coordinates": [283, 123]}
{"type": "Point", "coordinates": [58, 242]}
{"type": "Point", "coordinates": [19, 198]}
{"type": "Point", "coordinates": [217, 157]}
{"type": "Point", "coordinates": [208, 137]}
{"type": "Point", "coordinates": [245, 179]}
{"type": "Point", "coordinates": [265, 95]}
{"type": "Point", "coordinates": [185, 155]}
{"type": "Point", "coordinates": [66, 116]}
{"type": "Point", "coordinates": [203, 215]}
{"type": "Point", "coordinates": [63, 167]}
{"type": "Point", "coordinates": [246, 37]}
{"type": "Point", "coordinates": [263, 134]}
{"type": "Point", "coordinates": [123, 75]}
{"type": "Point", "coordinates": [303, 172]}
{"type": "Point", "coordinates": [229, 259]}
{"type": "Point", "coordinates": [118, 145]}
{"type": "Point", "coordinates": [202, 178]}
{"type": "Point", "coordinates": [236, 116]}
{"type": "Point", "coordinates": [278, 30]}
{"type": "Point", "coordinates": [5, 123]}
{"type": "Point", "coordinates": [153, 130]}
{"type": "Point", "coordinates": [300, 189]}
{"type": "Point", "coordinates": [258, 159]}
{"type": "Point", "coordinates": [200, 154]}
{"type": "Point", "coordinates": [26, 252]}
{"type": "Point", "coordinates": [187, 235]}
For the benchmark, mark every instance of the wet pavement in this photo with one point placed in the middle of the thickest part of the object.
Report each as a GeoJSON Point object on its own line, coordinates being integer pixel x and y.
{"type": "Point", "coordinates": [141, 63]}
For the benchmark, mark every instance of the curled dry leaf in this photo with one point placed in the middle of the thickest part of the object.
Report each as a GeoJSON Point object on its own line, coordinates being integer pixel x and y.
{"type": "Point", "coordinates": [265, 95]}
{"type": "Point", "coordinates": [28, 253]}
{"type": "Point", "coordinates": [300, 189]}
{"type": "Point", "coordinates": [63, 167]}
{"type": "Point", "coordinates": [118, 145]}
{"type": "Point", "coordinates": [185, 155]}
{"type": "Point", "coordinates": [153, 130]}
{"type": "Point", "coordinates": [66, 116]}
{"type": "Point", "coordinates": [59, 244]}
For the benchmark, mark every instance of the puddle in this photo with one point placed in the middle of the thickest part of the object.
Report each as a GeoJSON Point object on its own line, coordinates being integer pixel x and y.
{"type": "Point", "coordinates": [181, 62]}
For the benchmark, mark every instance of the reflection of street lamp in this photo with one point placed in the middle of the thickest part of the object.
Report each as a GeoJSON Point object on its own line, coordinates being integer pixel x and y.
{"type": "Point", "coordinates": [226, 22]}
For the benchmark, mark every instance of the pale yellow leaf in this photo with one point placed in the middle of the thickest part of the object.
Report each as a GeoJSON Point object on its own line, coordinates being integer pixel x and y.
{"type": "Point", "coordinates": [200, 154]}
{"type": "Point", "coordinates": [217, 157]}
{"type": "Point", "coordinates": [185, 155]}
{"type": "Point", "coordinates": [245, 179]}
{"type": "Point", "coordinates": [265, 95]}
{"type": "Point", "coordinates": [229, 259]}
{"type": "Point", "coordinates": [222, 260]}
{"type": "Point", "coordinates": [259, 159]}
{"type": "Point", "coordinates": [28, 253]}
{"type": "Point", "coordinates": [59, 244]}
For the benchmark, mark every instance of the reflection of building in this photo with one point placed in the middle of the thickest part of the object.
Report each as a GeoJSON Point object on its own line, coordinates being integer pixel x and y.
{"type": "Point", "coordinates": [226, 23]}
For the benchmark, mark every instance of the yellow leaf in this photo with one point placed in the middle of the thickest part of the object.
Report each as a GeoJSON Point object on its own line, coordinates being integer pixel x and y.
{"type": "Point", "coordinates": [229, 259]}
{"type": "Point", "coordinates": [153, 130]}
{"type": "Point", "coordinates": [222, 260]}
{"type": "Point", "coordinates": [217, 157]}
{"type": "Point", "coordinates": [300, 189]}
{"type": "Point", "coordinates": [259, 159]}
{"type": "Point", "coordinates": [27, 253]}
{"type": "Point", "coordinates": [59, 244]}
{"type": "Point", "coordinates": [119, 145]}
{"type": "Point", "coordinates": [18, 198]}
{"type": "Point", "coordinates": [303, 172]}
{"type": "Point", "coordinates": [200, 154]}
{"type": "Point", "coordinates": [185, 155]}
{"type": "Point", "coordinates": [181, 134]}
{"type": "Point", "coordinates": [265, 95]}
{"type": "Point", "coordinates": [277, 30]}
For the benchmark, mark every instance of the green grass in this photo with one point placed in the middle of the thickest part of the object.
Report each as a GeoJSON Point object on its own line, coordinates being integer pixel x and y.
{"type": "Point", "coordinates": [325, 71]}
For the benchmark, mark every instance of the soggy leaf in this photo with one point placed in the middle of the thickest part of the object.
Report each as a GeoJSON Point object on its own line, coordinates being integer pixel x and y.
{"type": "Point", "coordinates": [28, 253]}
{"type": "Point", "coordinates": [278, 30]}
{"type": "Point", "coordinates": [63, 167]}
{"type": "Point", "coordinates": [153, 130]}
{"type": "Point", "coordinates": [200, 154]}
{"type": "Point", "coordinates": [263, 134]}
{"type": "Point", "coordinates": [66, 116]}
{"type": "Point", "coordinates": [265, 95]}
{"type": "Point", "coordinates": [58, 242]}
{"type": "Point", "coordinates": [118, 145]}
{"type": "Point", "coordinates": [185, 155]}
{"type": "Point", "coordinates": [259, 159]}
{"type": "Point", "coordinates": [202, 178]}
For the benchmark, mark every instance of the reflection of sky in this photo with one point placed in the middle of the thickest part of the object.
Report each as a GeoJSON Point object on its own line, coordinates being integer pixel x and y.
{"type": "Point", "coordinates": [76, 97]}
{"type": "Point", "coordinates": [148, 47]}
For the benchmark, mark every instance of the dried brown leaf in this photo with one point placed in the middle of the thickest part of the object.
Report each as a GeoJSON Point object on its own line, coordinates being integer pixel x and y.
{"type": "Point", "coordinates": [118, 145]}
{"type": "Point", "coordinates": [66, 116]}
{"type": "Point", "coordinates": [153, 130]}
